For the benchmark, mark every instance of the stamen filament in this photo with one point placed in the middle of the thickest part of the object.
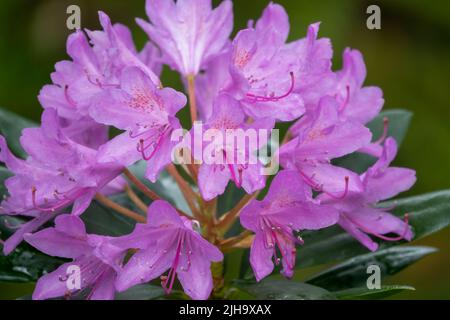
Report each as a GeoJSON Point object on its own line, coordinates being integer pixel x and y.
{"type": "Point", "coordinates": [172, 271]}
{"type": "Point", "coordinates": [68, 97]}
{"type": "Point", "coordinates": [385, 131]}
{"type": "Point", "coordinates": [382, 237]}
{"type": "Point", "coordinates": [343, 195]}
{"type": "Point", "coordinates": [50, 209]}
{"type": "Point", "coordinates": [256, 98]}
{"type": "Point", "coordinates": [347, 99]}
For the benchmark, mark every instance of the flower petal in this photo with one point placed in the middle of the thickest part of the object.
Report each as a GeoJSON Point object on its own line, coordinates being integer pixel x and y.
{"type": "Point", "coordinates": [261, 257]}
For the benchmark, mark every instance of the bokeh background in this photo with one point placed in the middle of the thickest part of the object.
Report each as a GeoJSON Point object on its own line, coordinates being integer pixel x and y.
{"type": "Point", "coordinates": [409, 58]}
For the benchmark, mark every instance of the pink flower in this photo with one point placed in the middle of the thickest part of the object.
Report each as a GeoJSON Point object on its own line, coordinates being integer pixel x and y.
{"type": "Point", "coordinates": [359, 215]}
{"type": "Point", "coordinates": [225, 158]}
{"type": "Point", "coordinates": [147, 114]}
{"type": "Point", "coordinates": [320, 137]}
{"type": "Point", "coordinates": [58, 173]}
{"type": "Point", "coordinates": [263, 80]}
{"type": "Point", "coordinates": [287, 208]}
{"type": "Point", "coordinates": [189, 32]}
{"type": "Point", "coordinates": [168, 242]}
{"type": "Point", "coordinates": [356, 102]}
{"type": "Point", "coordinates": [94, 257]}
{"type": "Point", "coordinates": [92, 70]}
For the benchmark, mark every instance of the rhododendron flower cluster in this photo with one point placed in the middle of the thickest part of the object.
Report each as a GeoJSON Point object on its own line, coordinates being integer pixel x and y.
{"type": "Point", "coordinates": [254, 80]}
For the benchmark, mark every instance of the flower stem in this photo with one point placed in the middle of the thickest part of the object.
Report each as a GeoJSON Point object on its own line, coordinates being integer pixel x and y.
{"type": "Point", "coordinates": [287, 137]}
{"type": "Point", "coordinates": [120, 209]}
{"type": "Point", "coordinates": [228, 219]}
{"type": "Point", "coordinates": [210, 209]}
{"type": "Point", "coordinates": [192, 101]}
{"type": "Point", "coordinates": [141, 186]}
{"type": "Point", "coordinates": [149, 193]}
{"type": "Point", "coordinates": [135, 198]}
{"type": "Point", "coordinates": [229, 243]}
{"type": "Point", "coordinates": [187, 191]}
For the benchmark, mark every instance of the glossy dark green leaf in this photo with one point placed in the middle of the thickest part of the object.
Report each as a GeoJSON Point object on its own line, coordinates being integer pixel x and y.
{"type": "Point", "coordinates": [271, 289]}
{"type": "Point", "coordinates": [233, 261]}
{"type": "Point", "coordinates": [428, 213]}
{"type": "Point", "coordinates": [4, 174]}
{"type": "Point", "coordinates": [353, 272]}
{"type": "Point", "coordinates": [11, 126]}
{"type": "Point", "coordinates": [399, 121]}
{"type": "Point", "coordinates": [141, 292]}
{"type": "Point", "coordinates": [26, 265]}
{"type": "Point", "coordinates": [363, 293]}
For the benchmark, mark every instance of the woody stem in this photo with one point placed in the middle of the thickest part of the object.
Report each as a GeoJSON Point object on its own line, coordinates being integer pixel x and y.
{"type": "Point", "coordinates": [146, 190]}
{"type": "Point", "coordinates": [228, 218]}
{"type": "Point", "coordinates": [140, 185]}
{"type": "Point", "coordinates": [192, 101]}
{"type": "Point", "coordinates": [118, 208]}
{"type": "Point", "coordinates": [135, 198]}
{"type": "Point", "coordinates": [187, 191]}
{"type": "Point", "coordinates": [227, 244]}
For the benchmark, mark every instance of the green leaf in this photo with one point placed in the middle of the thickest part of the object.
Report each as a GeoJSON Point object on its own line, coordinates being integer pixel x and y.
{"type": "Point", "coordinates": [271, 289]}
{"type": "Point", "coordinates": [11, 126]}
{"type": "Point", "coordinates": [233, 265]}
{"type": "Point", "coordinates": [428, 213]}
{"type": "Point", "coordinates": [141, 292]}
{"type": "Point", "coordinates": [353, 273]}
{"type": "Point", "coordinates": [25, 265]}
{"type": "Point", "coordinates": [399, 121]}
{"type": "Point", "coordinates": [4, 174]}
{"type": "Point", "coordinates": [364, 293]}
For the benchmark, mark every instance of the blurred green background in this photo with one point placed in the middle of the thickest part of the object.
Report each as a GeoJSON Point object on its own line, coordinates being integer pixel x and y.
{"type": "Point", "coordinates": [409, 58]}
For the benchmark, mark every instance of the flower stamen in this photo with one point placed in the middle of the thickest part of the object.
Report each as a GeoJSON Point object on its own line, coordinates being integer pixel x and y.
{"type": "Point", "coordinates": [382, 237]}
{"type": "Point", "coordinates": [346, 101]}
{"type": "Point", "coordinates": [50, 209]}
{"type": "Point", "coordinates": [385, 131]}
{"type": "Point", "coordinates": [255, 98]}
